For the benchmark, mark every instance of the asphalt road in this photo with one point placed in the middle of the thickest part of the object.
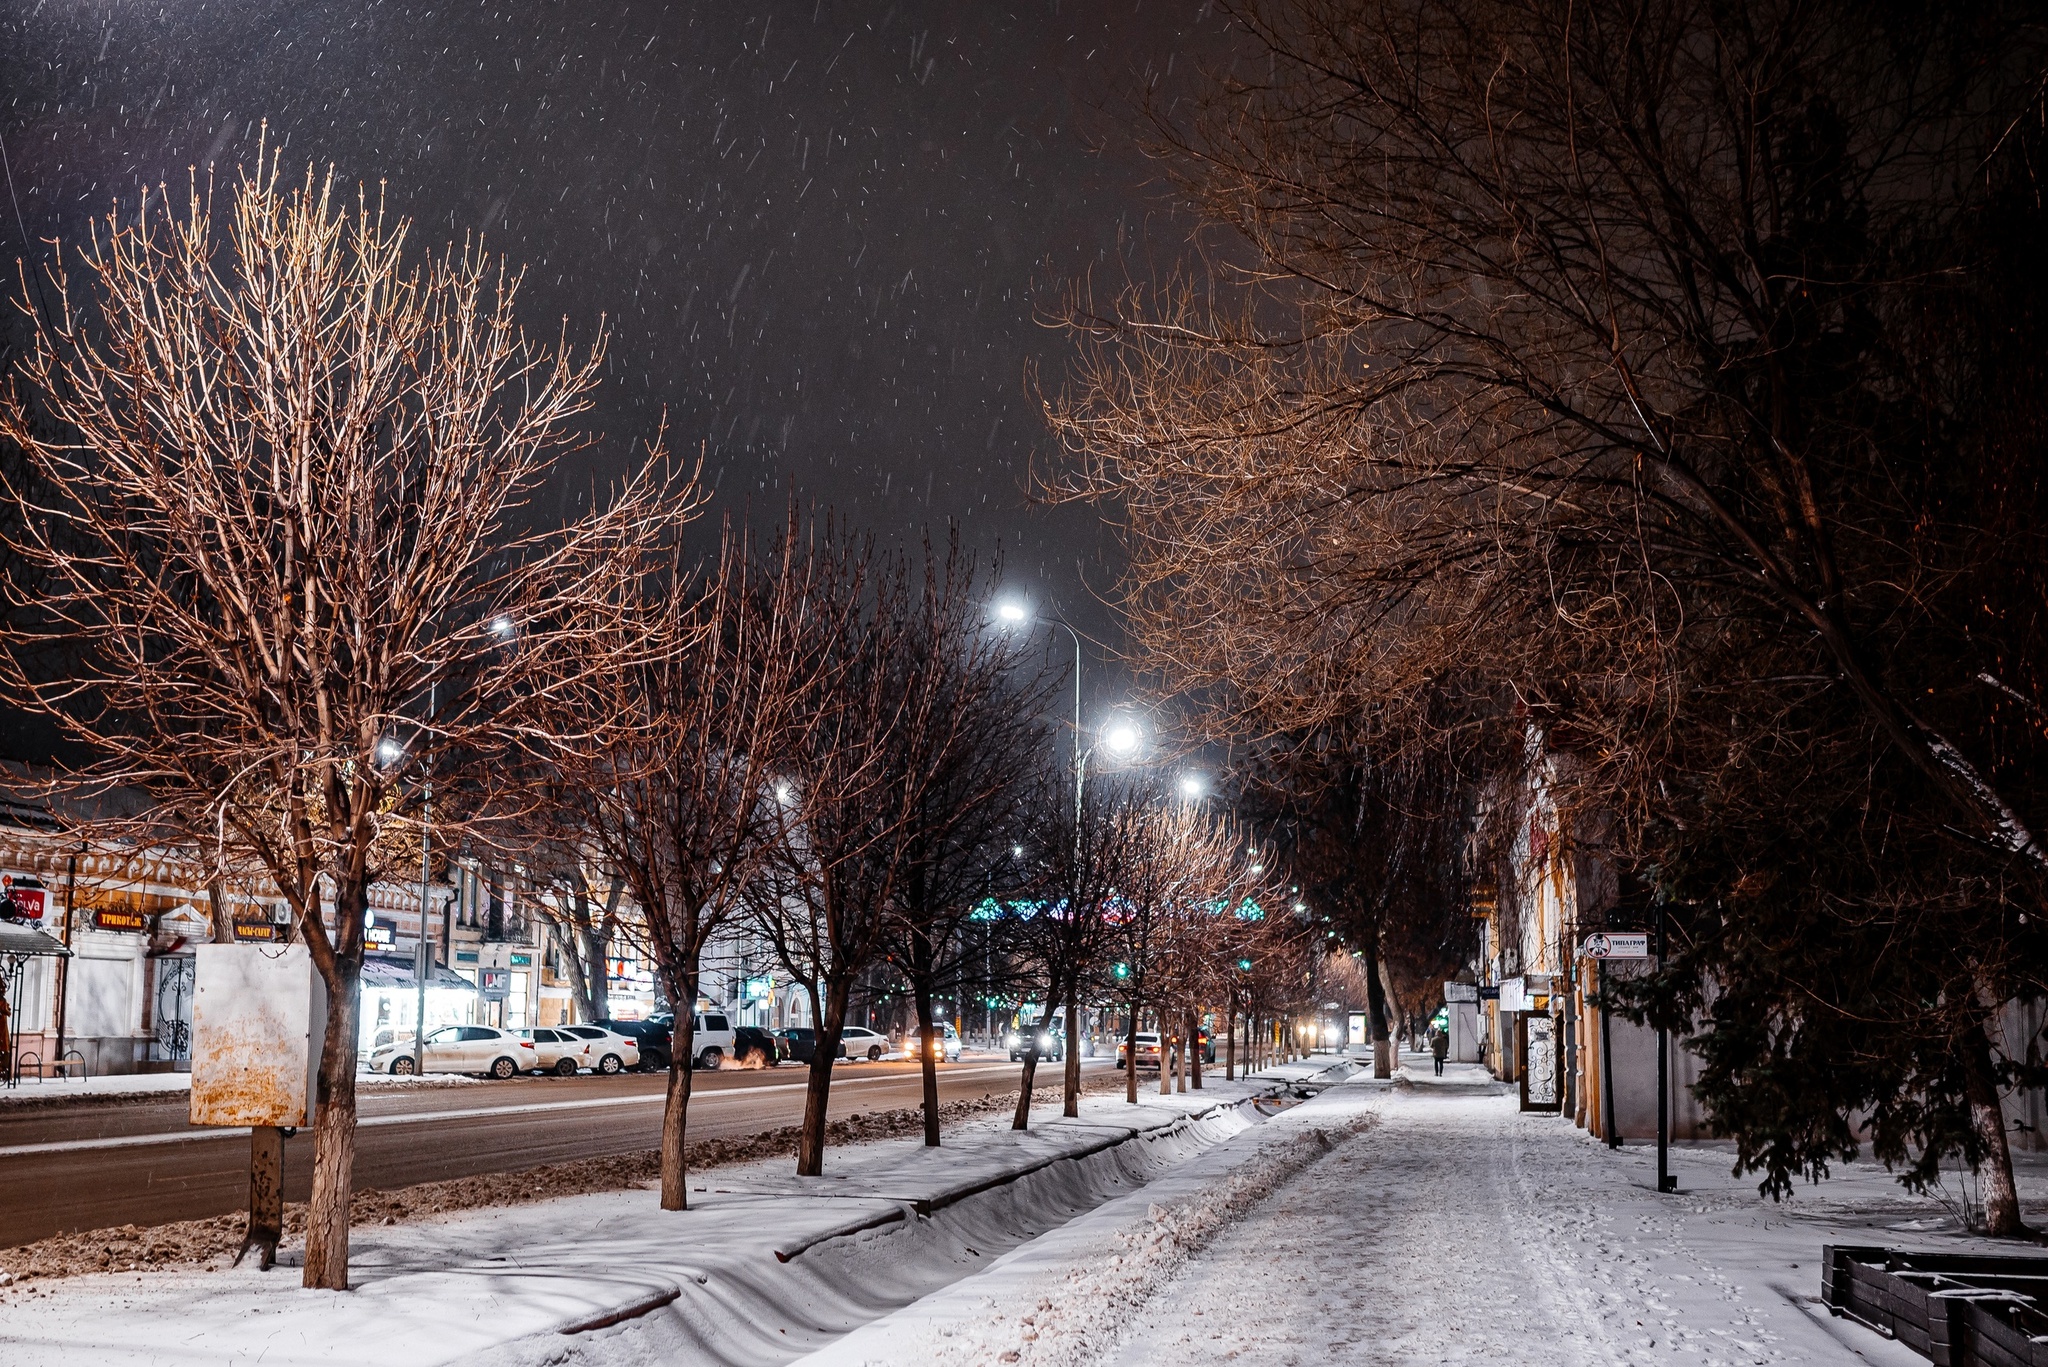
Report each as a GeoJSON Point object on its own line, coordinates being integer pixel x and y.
{"type": "Point", "coordinates": [93, 1165]}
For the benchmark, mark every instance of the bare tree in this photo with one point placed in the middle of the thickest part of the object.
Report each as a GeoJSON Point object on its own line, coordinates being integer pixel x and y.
{"type": "Point", "coordinates": [702, 680]}
{"type": "Point", "coordinates": [866, 755]}
{"type": "Point", "coordinates": [960, 835]}
{"type": "Point", "coordinates": [282, 509]}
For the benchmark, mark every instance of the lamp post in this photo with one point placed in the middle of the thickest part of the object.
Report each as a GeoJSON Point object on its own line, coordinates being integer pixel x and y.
{"type": "Point", "coordinates": [1017, 614]}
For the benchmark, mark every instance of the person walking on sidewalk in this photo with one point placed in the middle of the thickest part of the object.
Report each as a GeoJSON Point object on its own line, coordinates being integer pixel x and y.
{"type": "Point", "coordinates": [1440, 1048]}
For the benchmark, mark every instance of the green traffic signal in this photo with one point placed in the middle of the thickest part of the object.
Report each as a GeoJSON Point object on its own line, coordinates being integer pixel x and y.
{"type": "Point", "coordinates": [1122, 972]}
{"type": "Point", "coordinates": [1244, 965]}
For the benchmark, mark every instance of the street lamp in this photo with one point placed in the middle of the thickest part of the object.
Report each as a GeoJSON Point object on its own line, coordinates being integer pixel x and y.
{"type": "Point", "coordinates": [1192, 787]}
{"type": "Point", "coordinates": [1017, 613]}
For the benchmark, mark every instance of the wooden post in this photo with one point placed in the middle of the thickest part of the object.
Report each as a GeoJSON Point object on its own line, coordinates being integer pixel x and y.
{"type": "Point", "coordinates": [266, 1195]}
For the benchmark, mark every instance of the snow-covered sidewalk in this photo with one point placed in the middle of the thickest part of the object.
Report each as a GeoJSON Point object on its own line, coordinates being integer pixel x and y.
{"type": "Point", "coordinates": [1422, 1222]}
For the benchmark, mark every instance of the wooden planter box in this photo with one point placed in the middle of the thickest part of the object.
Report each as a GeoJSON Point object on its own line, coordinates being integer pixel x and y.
{"type": "Point", "coordinates": [1957, 1309]}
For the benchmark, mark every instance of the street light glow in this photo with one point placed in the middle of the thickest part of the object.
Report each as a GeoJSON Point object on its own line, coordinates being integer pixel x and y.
{"type": "Point", "coordinates": [502, 627]}
{"type": "Point", "coordinates": [1010, 610]}
{"type": "Point", "coordinates": [390, 751]}
{"type": "Point", "coordinates": [1122, 739]}
{"type": "Point", "coordinates": [1192, 786]}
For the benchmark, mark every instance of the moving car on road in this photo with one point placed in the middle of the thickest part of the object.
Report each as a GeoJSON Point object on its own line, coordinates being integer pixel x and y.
{"type": "Point", "coordinates": [949, 1044]}
{"type": "Point", "coordinates": [461, 1049]}
{"type": "Point", "coordinates": [1050, 1044]}
{"type": "Point", "coordinates": [611, 1051]}
{"type": "Point", "coordinates": [860, 1042]}
{"type": "Point", "coordinates": [1148, 1050]}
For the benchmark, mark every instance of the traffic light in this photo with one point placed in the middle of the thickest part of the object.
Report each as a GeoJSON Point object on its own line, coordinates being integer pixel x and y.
{"type": "Point", "coordinates": [1122, 971]}
{"type": "Point", "coordinates": [1244, 965]}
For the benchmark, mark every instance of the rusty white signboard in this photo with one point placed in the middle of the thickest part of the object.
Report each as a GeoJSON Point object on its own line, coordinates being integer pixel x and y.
{"type": "Point", "coordinates": [258, 1012]}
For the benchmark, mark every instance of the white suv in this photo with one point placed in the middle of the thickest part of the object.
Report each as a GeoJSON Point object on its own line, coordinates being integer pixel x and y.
{"type": "Point", "coordinates": [710, 1036]}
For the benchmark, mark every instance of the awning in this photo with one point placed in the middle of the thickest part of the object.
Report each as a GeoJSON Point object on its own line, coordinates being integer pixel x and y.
{"type": "Point", "coordinates": [18, 941]}
{"type": "Point", "coordinates": [397, 972]}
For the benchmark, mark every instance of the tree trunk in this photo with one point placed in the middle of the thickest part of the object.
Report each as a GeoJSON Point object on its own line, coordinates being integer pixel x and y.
{"type": "Point", "coordinates": [334, 1124]}
{"type": "Point", "coordinates": [597, 952]}
{"type": "Point", "coordinates": [1166, 1053]}
{"type": "Point", "coordinates": [1131, 1056]}
{"type": "Point", "coordinates": [810, 1148]}
{"type": "Point", "coordinates": [1180, 1058]}
{"type": "Point", "coordinates": [928, 1056]}
{"type": "Point", "coordinates": [565, 937]}
{"type": "Point", "coordinates": [1230, 1046]}
{"type": "Point", "coordinates": [1994, 1173]}
{"type": "Point", "coordinates": [1195, 1050]}
{"type": "Point", "coordinates": [1022, 1119]}
{"type": "Point", "coordinates": [266, 1196]}
{"type": "Point", "coordinates": [223, 917]}
{"type": "Point", "coordinates": [1071, 1107]}
{"type": "Point", "coordinates": [675, 1111]}
{"type": "Point", "coordinates": [1376, 1013]}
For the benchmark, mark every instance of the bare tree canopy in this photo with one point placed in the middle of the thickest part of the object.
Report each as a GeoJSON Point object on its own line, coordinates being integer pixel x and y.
{"type": "Point", "coordinates": [1660, 379]}
{"type": "Point", "coordinates": [278, 511]}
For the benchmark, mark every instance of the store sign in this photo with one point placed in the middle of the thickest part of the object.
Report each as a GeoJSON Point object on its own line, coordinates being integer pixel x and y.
{"type": "Point", "coordinates": [23, 897]}
{"type": "Point", "coordinates": [1461, 992]}
{"type": "Point", "coordinates": [132, 921]}
{"type": "Point", "coordinates": [1513, 995]}
{"type": "Point", "coordinates": [758, 989]}
{"type": "Point", "coordinates": [378, 936]}
{"type": "Point", "coordinates": [1604, 945]}
{"type": "Point", "coordinates": [496, 983]}
{"type": "Point", "coordinates": [522, 961]}
{"type": "Point", "coordinates": [255, 930]}
{"type": "Point", "coordinates": [1489, 994]}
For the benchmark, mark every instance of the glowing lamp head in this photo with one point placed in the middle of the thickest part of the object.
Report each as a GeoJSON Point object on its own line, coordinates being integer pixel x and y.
{"type": "Point", "coordinates": [503, 627]}
{"type": "Point", "coordinates": [390, 752]}
{"type": "Point", "coordinates": [1192, 786]}
{"type": "Point", "coordinates": [1012, 612]}
{"type": "Point", "coordinates": [1121, 739]}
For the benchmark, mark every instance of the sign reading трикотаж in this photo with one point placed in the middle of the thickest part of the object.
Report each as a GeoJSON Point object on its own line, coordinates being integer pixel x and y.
{"type": "Point", "coordinates": [1608, 945]}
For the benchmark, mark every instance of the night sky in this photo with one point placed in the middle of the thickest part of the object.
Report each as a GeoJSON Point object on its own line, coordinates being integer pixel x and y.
{"type": "Point", "coordinates": [822, 232]}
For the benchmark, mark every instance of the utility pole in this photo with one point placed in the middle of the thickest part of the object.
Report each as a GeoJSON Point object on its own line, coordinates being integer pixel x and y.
{"type": "Point", "coordinates": [1665, 1181]}
{"type": "Point", "coordinates": [64, 963]}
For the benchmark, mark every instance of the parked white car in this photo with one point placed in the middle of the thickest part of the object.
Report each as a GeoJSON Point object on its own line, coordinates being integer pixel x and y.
{"type": "Point", "coordinates": [461, 1049]}
{"type": "Point", "coordinates": [558, 1051]}
{"type": "Point", "coordinates": [862, 1042]}
{"type": "Point", "coordinates": [611, 1051]}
